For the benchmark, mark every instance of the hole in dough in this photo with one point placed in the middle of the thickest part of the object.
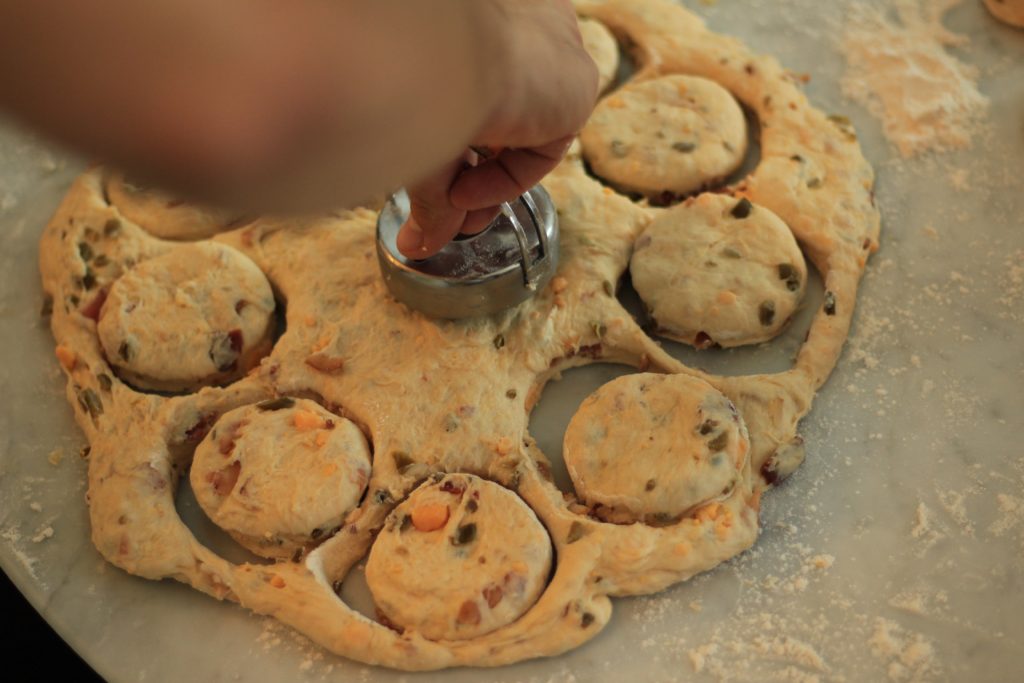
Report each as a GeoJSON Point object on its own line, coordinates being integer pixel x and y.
{"type": "Point", "coordinates": [201, 314]}
{"type": "Point", "coordinates": [355, 592]}
{"type": "Point", "coordinates": [718, 270]}
{"type": "Point", "coordinates": [776, 355]}
{"type": "Point", "coordinates": [666, 138]}
{"type": "Point", "coordinates": [281, 475]}
{"type": "Point", "coordinates": [459, 525]}
{"type": "Point", "coordinates": [655, 447]}
{"type": "Point", "coordinates": [208, 533]}
{"type": "Point", "coordinates": [558, 403]}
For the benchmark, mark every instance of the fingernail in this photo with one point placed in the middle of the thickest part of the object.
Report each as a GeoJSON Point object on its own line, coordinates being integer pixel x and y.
{"type": "Point", "coordinates": [410, 239]}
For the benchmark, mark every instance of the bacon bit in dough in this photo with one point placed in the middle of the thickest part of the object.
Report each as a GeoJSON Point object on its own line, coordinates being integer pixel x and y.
{"type": "Point", "coordinates": [726, 297]}
{"type": "Point", "coordinates": [93, 308]}
{"type": "Point", "coordinates": [430, 517]}
{"type": "Point", "coordinates": [559, 284]}
{"type": "Point", "coordinates": [469, 614]}
{"type": "Point", "coordinates": [325, 363]}
{"type": "Point", "coordinates": [330, 468]}
{"type": "Point", "coordinates": [224, 480]}
{"type": "Point", "coordinates": [227, 440]}
{"type": "Point", "coordinates": [276, 581]}
{"type": "Point", "coordinates": [306, 420]}
{"type": "Point", "coordinates": [493, 595]}
{"type": "Point", "coordinates": [321, 439]}
{"type": "Point", "coordinates": [67, 357]}
{"type": "Point", "coordinates": [681, 549]}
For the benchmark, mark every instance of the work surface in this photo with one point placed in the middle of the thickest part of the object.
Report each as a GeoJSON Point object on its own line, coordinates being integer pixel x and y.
{"type": "Point", "coordinates": [894, 552]}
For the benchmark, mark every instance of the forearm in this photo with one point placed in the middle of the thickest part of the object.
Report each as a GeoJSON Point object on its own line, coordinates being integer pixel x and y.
{"type": "Point", "coordinates": [301, 103]}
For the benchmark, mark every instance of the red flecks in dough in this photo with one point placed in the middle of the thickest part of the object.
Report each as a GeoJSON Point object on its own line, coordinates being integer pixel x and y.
{"type": "Point", "coordinates": [493, 595]}
{"type": "Point", "coordinates": [224, 480]}
{"type": "Point", "coordinates": [469, 613]}
{"type": "Point", "coordinates": [93, 308]}
{"type": "Point", "coordinates": [198, 431]}
{"type": "Point", "coordinates": [452, 488]}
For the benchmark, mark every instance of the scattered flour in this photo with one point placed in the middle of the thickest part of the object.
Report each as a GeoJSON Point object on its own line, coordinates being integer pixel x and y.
{"type": "Point", "coordinates": [1011, 514]}
{"type": "Point", "coordinates": [13, 537]}
{"type": "Point", "coordinates": [43, 534]}
{"type": "Point", "coordinates": [926, 99]}
{"type": "Point", "coordinates": [909, 656]}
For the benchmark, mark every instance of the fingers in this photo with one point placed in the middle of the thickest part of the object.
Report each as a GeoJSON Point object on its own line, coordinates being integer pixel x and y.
{"type": "Point", "coordinates": [477, 220]}
{"type": "Point", "coordinates": [504, 177]}
{"type": "Point", "coordinates": [433, 220]}
{"type": "Point", "coordinates": [464, 198]}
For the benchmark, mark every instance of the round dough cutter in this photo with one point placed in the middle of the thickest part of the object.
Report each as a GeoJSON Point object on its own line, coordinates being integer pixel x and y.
{"type": "Point", "coordinates": [499, 267]}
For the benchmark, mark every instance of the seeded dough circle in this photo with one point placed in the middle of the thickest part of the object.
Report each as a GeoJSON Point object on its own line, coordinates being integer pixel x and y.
{"type": "Point", "coordinates": [602, 48]}
{"type": "Point", "coordinates": [280, 474]}
{"type": "Point", "coordinates": [649, 447]}
{"type": "Point", "coordinates": [481, 570]}
{"type": "Point", "coordinates": [672, 134]}
{"type": "Point", "coordinates": [199, 315]}
{"type": "Point", "coordinates": [163, 215]}
{"type": "Point", "coordinates": [718, 270]}
{"type": "Point", "coordinates": [1008, 11]}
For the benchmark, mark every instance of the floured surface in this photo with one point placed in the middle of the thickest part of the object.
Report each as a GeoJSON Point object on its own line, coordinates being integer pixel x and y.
{"type": "Point", "coordinates": [920, 419]}
{"type": "Point", "coordinates": [903, 68]}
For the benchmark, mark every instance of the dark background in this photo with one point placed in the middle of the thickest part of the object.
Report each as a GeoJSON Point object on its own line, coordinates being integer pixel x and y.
{"type": "Point", "coordinates": [32, 647]}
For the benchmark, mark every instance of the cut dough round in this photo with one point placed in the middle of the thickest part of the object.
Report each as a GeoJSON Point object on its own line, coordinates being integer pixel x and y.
{"type": "Point", "coordinates": [652, 448]}
{"type": "Point", "coordinates": [461, 557]}
{"type": "Point", "coordinates": [1008, 11]}
{"type": "Point", "coordinates": [672, 134]}
{"type": "Point", "coordinates": [280, 474]}
{"type": "Point", "coordinates": [163, 215]}
{"type": "Point", "coordinates": [602, 48]}
{"type": "Point", "coordinates": [719, 270]}
{"type": "Point", "coordinates": [199, 315]}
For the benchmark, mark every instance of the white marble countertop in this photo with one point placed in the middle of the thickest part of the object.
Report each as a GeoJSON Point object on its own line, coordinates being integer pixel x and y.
{"type": "Point", "coordinates": [896, 552]}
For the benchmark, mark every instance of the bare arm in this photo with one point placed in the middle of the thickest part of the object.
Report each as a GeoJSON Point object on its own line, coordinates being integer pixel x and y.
{"type": "Point", "coordinates": [279, 104]}
{"type": "Point", "coordinates": [304, 104]}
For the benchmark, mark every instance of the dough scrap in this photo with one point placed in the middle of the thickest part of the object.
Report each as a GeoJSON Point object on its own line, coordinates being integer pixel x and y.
{"type": "Point", "coordinates": [452, 397]}
{"type": "Point", "coordinates": [718, 270]}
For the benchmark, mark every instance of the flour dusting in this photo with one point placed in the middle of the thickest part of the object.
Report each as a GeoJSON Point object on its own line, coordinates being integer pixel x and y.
{"type": "Point", "coordinates": [900, 70]}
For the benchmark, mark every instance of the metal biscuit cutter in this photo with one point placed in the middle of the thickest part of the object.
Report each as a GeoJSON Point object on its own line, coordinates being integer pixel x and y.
{"type": "Point", "coordinates": [499, 267]}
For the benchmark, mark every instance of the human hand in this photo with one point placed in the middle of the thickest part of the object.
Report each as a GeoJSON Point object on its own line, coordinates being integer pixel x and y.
{"type": "Point", "coordinates": [528, 132]}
